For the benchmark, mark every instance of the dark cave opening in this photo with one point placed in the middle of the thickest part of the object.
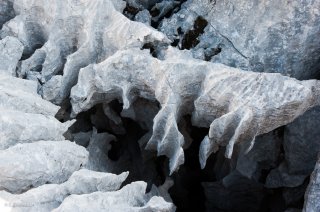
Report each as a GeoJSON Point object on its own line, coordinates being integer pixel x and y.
{"type": "Point", "coordinates": [217, 187]}
{"type": "Point", "coordinates": [187, 192]}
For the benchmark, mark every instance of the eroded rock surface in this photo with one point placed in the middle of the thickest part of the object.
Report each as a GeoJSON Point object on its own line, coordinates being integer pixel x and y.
{"type": "Point", "coordinates": [144, 76]}
{"type": "Point", "coordinates": [50, 196]}
{"type": "Point", "coordinates": [236, 105]}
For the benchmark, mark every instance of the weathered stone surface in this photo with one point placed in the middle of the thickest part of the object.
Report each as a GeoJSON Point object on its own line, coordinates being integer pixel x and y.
{"type": "Point", "coordinates": [132, 197]}
{"type": "Point", "coordinates": [49, 196]}
{"type": "Point", "coordinates": [236, 105]}
{"type": "Point", "coordinates": [72, 37]}
{"type": "Point", "coordinates": [301, 147]}
{"type": "Point", "coordinates": [21, 95]}
{"type": "Point", "coordinates": [18, 127]}
{"type": "Point", "coordinates": [34, 164]}
{"type": "Point", "coordinates": [264, 36]}
{"type": "Point", "coordinates": [10, 53]}
{"type": "Point", "coordinates": [312, 195]}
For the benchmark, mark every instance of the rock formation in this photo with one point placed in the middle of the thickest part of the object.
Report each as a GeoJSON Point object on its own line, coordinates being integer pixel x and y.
{"type": "Point", "coordinates": [159, 105]}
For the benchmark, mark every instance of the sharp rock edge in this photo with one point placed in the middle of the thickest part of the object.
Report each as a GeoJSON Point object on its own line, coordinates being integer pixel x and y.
{"type": "Point", "coordinates": [236, 105]}
{"type": "Point", "coordinates": [62, 38]}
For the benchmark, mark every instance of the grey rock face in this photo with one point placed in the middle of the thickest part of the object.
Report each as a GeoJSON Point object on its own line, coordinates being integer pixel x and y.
{"type": "Point", "coordinates": [30, 165]}
{"type": "Point", "coordinates": [132, 197]}
{"type": "Point", "coordinates": [48, 197]}
{"type": "Point", "coordinates": [232, 114]}
{"type": "Point", "coordinates": [10, 53]}
{"type": "Point", "coordinates": [312, 195]}
{"type": "Point", "coordinates": [301, 147]}
{"type": "Point", "coordinates": [262, 36]}
{"type": "Point", "coordinates": [182, 101]}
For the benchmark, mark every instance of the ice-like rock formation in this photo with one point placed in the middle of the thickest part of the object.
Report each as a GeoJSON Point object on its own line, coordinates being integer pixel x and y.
{"type": "Point", "coordinates": [236, 105]}
{"type": "Point", "coordinates": [66, 36]}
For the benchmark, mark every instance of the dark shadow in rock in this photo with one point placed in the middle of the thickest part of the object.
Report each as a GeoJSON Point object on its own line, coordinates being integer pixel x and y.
{"type": "Point", "coordinates": [187, 193]}
{"type": "Point", "coordinates": [190, 39]}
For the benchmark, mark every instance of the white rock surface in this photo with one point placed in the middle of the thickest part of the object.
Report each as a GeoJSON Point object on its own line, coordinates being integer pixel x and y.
{"type": "Point", "coordinates": [10, 53]}
{"type": "Point", "coordinates": [49, 196]}
{"type": "Point", "coordinates": [34, 164]}
{"type": "Point", "coordinates": [132, 197]}
{"type": "Point", "coordinates": [236, 105]}
{"type": "Point", "coordinates": [74, 34]}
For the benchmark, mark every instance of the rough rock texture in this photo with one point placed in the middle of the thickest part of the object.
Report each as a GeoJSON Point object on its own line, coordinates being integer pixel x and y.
{"type": "Point", "coordinates": [132, 197]}
{"type": "Point", "coordinates": [71, 37]}
{"type": "Point", "coordinates": [312, 195]}
{"type": "Point", "coordinates": [30, 165]}
{"type": "Point", "coordinates": [301, 146]}
{"type": "Point", "coordinates": [24, 116]}
{"type": "Point", "coordinates": [50, 196]}
{"type": "Point", "coordinates": [236, 105]}
{"type": "Point", "coordinates": [268, 36]}
{"type": "Point", "coordinates": [10, 53]}
{"type": "Point", "coordinates": [131, 92]}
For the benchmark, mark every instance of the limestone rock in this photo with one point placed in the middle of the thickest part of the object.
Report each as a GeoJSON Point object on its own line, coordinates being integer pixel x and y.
{"type": "Point", "coordinates": [72, 37]}
{"type": "Point", "coordinates": [34, 164]}
{"type": "Point", "coordinates": [312, 194]}
{"type": "Point", "coordinates": [10, 53]}
{"type": "Point", "coordinates": [49, 196]}
{"type": "Point", "coordinates": [264, 36]}
{"type": "Point", "coordinates": [236, 105]}
{"type": "Point", "coordinates": [132, 197]}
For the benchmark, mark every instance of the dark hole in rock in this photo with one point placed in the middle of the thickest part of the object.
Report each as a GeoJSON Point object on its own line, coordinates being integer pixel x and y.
{"type": "Point", "coordinates": [156, 12]}
{"type": "Point", "coordinates": [152, 49]}
{"type": "Point", "coordinates": [130, 11]}
{"type": "Point", "coordinates": [175, 42]}
{"type": "Point", "coordinates": [209, 53]}
{"type": "Point", "coordinates": [187, 192]}
{"type": "Point", "coordinates": [194, 189]}
{"type": "Point", "coordinates": [190, 39]}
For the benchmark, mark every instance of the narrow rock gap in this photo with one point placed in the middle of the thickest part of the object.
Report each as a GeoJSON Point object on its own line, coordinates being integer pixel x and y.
{"type": "Point", "coordinates": [190, 39]}
{"type": "Point", "coordinates": [156, 12]}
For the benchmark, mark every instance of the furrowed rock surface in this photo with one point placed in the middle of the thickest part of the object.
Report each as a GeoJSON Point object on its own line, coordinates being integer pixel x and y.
{"type": "Point", "coordinates": [71, 35]}
{"type": "Point", "coordinates": [236, 105]}
{"type": "Point", "coordinates": [47, 197]}
{"type": "Point", "coordinates": [34, 164]}
{"type": "Point", "coordinates": [132, 197]}
{"type": "Point", "coordinates": [24, 116]}
{"type": "Point", "coordinates": [312, 194]}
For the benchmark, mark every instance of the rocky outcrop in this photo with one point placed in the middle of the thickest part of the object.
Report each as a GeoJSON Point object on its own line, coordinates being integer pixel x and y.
{"type": "Point", "coordinates": [50, 196]}
{"type": "Point", "coordinates": [132, 197]}
{"type": "Point", "coordinates": [71, 37]}
{"type": "Point", "coordinates": [10, 53]}
{"type": "Point", "coordinates": [257, 36]}
{"type": "Point", "coordinates": [229, 101]}
{"type": "Point", "coordinates": [30, 165]}
{"type": "Point", "coordinates": [185, 78]}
